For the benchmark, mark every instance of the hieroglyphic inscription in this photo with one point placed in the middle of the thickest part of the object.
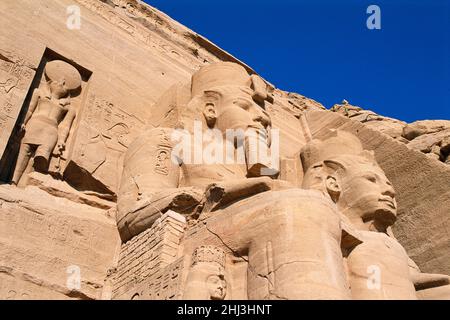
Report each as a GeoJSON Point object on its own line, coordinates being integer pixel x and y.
{"type": "Point", "coordinates": [166, 284]}
{"type": "Point", "coordinates": [144, 260]}
{"type": "Point", "coordinates": [163, 154]}
{"type": "Point", "coordinates": [104, 135]}
{"type": "Point", "coordinates": [102, 115]}
{"type": "Point", "coordinates": [16, 74]}
{"type": "Point", "coordinates": [142, 32]}
{"type": "Point", "coordinates": [68, 236]}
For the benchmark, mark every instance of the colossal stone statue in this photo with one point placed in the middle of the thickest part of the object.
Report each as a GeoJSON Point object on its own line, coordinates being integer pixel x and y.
{"type": "Point", "coordinates": [49, 117]}
{"type": "Point", "coordinates": [145, 188]}
{"type": "Point", "coordinates": [324, 241]}
{"type": "Point", "coordinates": [206, 279]}
{"type": "Point", "coordinates": [378, 266]}
{"type": "Point", "coordinates": [222, 96]}
{"type": "Point", "coordinates": [259, 215]}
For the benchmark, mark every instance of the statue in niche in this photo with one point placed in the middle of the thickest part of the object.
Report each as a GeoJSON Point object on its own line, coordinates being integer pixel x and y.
{"type": "Point", "coordinates": [49, 118]}
{"type": "Point", "coordinates": [378, 266]}
{"type": "Point", "coordinates": [206, 279]}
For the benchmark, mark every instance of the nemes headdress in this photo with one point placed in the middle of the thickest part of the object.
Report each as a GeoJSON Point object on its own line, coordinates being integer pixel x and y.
{"type": "Point", "coordinates": [223, 74]}
{"type": "Point", "coordinates": [340, 143]}
{"type": "Point", "coordinates": [219, 74]}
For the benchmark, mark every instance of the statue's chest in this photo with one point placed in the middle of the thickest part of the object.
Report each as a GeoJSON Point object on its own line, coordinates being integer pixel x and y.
{"type": "Point", "coordinates": [201, 175]}
{"type": "Point", "coordinates": [51, 109]}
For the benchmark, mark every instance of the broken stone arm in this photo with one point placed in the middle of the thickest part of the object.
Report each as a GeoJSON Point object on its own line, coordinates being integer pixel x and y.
{"type": "Point", "coordinates": [225, 192]}
{"type": "Point", "coordinates": [152, 204]}
{"type": "Point", "coordinates": [423, 280]}
{"type": "Point", "coordinates": [150, 185]}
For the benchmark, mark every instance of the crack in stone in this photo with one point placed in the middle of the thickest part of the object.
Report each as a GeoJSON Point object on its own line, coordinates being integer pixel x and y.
{"type": "Point", "coordinates": [250, 267]}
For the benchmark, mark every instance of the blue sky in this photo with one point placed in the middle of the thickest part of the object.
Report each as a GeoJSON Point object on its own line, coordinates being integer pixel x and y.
{"type": "Point", "coordinates": [323, 49]}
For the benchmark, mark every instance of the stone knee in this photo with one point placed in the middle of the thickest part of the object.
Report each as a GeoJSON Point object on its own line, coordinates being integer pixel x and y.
{"type": "Point", "coordinates": [25, 153]}
{"type": "Point", "coordinates": [41, 158]}
{"type": "Point", "coordinates": [297, 254]}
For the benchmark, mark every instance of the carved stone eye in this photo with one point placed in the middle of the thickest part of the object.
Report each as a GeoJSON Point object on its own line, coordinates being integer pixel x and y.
{"type": "Point", "coordinates": [242, 103]}
{"type": "Point", "coordinates": [371, 178]}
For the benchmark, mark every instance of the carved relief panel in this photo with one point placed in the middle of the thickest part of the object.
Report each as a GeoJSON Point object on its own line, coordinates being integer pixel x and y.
{"type": "Point", "coordinates": [105, 130]}
{"type": "Point", "coordinates": [16, 75]}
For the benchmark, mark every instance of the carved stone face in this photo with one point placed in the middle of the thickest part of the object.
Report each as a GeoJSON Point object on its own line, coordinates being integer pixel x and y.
{"type": "Point", "coordinates": [217, 286]}
{"type": "Point", "coordinates": [237, 110]}
{"type": "Point", "coordinates": [366, 192]}
{"type": "Point", "coordinates": [58, 89]}
{"type": "Point", "coordinates": [206, 281]}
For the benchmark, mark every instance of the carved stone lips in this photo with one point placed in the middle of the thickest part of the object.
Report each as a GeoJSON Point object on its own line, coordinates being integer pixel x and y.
{"type": "Point", "coordinates": [389, 201]}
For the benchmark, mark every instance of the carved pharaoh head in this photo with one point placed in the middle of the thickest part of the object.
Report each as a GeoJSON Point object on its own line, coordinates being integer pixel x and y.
{"type": "Point", "coordinates": [62, 78]}
{"type": "Point", "coordinates": [229, 97]}
{"type": "Point", "coordinates": [351, 176]}
{"type": "Point", "coordinates": [206, 279]}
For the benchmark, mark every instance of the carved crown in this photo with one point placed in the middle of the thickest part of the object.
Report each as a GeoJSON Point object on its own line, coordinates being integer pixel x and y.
{"type": "Point", "coordinates": [219, 74]}
{"type": "Point", "coordinates": [340, 143]}
{"type": "Point", "coordinates": [211, 254]}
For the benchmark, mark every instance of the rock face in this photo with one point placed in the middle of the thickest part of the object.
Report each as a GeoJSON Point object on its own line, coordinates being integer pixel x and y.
{"type": "Point", "coordinates": [391, 127]}
{"type": "Point", "coordinates": [141, 161]}
{"type": "Point", "coordinates": [431, 137]}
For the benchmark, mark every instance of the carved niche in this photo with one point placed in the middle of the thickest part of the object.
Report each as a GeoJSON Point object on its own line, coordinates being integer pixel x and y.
{"type": "Point", "coordinates": [40, 129]}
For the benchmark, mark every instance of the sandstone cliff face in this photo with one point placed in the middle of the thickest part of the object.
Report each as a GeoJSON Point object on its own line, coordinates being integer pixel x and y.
{"type": "Point", "coordinates": [128, 54]}
{"type": "Point", "coordinates": [431, 137]}
{"type": "Point", "coordinates": [421, 184]}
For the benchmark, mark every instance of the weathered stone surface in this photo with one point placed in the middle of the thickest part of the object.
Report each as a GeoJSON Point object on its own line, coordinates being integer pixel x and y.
{"type": "Point", "coordinates": [106, 202]}
{"type": "Point", "coordinates": [145, 262]}
{"type": "Point", "coordinates": [422, 187]}
{"type": "Point", "coordinates": [391, 127]}
{"type": "Point", "coordinates": [43, 239]}
{"type": "Point", "coordinates": [418, 128]}
{"type": "Point", "coordinates": [431, 137]}
{"type": "Point", "coordinates": [428, 136]}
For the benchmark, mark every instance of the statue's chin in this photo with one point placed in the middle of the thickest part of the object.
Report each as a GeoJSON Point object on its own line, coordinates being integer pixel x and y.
{"type": "Point", "coordinates": [385, 216]}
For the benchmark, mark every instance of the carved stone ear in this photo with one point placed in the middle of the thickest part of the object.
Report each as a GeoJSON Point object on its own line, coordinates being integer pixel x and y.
{"type": "Point", "coordinates": [333, 188]}
{"type": "Point", "coordinates": [210, 114]}
{"type": "Point", "coordinates": [211, 100]}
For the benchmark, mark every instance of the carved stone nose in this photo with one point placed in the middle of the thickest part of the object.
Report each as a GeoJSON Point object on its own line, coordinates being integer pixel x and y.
{"type": "Point", "coordinates": [389, 191]}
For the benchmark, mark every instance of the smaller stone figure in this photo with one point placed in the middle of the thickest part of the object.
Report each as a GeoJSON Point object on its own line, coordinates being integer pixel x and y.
{"type": "Point", "coordinates": [206, 279]}
{"type": "Point", "coordinates": [49, 117]}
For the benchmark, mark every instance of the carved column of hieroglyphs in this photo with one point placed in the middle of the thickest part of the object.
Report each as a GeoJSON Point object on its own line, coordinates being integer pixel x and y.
{"type": "Point", "coordinates": [16, 74]}
{"type": "Point", "coordinates": [148, 263]}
